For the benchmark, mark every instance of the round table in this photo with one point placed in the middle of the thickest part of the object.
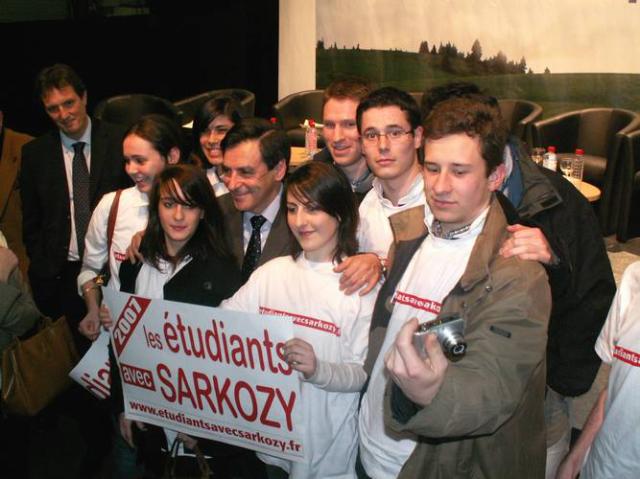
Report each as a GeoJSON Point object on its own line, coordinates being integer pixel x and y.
{"type": "Point", "coordinates": [590, 192]}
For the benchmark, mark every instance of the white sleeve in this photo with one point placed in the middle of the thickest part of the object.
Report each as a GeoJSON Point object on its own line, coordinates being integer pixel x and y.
{"type": "Point", "coordinates": [95, 242]}
{"type": "Point", "coordinates": [617, 317]}
{"type": "Point", "coordinates": [338, 377]}
{"type": "Point", "coordinates": [362, 232]}
{"type": "Point", "coordinates": [348, 375]}
{"type": "Point", "coordinates": [247, 298]}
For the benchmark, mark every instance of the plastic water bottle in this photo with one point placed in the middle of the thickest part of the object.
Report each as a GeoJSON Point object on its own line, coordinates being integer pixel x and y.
{"type": "Point", "coordinates": [577, 170]}
{"type": "Point", "coordinates": [550, 159]}
{"type": "Point", "coordinates": [311, 139]}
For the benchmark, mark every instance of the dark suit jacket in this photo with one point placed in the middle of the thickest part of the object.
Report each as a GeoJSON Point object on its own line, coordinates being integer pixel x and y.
{"type": "Point", "coordinates": [278, 242]}
{"type": "Point", "coordinates": [45, 194]}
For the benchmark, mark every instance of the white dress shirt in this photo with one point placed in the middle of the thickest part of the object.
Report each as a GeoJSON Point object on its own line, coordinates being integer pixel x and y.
{"type": "Point", "coordinates": [67, 154]}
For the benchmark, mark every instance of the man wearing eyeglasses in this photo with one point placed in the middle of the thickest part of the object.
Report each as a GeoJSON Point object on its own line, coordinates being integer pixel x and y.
{"type": "Point", "coordinates": [343, 147]}
{"type": "Point", "coordinates": [482, 414]}
{"type": "Point", "coordinates": [388, 120]}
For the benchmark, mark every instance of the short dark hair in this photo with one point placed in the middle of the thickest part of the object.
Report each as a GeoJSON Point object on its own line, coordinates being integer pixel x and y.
{"type": "Point", "coordinates": [210, 110]}
{"type": "Point", "coordinates": [58, 76]}
{"type": "Point", "coordinates": [326, 187]}
{"type": "Point", "coordinates": [390, 96]}
{"type": "Point", "coordinates": [458, 89]}
{"type": "Point", "coordinates": [352, 88]}
{"type": "Point", "coordinates": [473, 118]}
{"type": "Point", "coordinates": [162, 132]}
{"type": "Point", "coordinates": [208, 238]}
{"type": "Point", "coordinates": [274, 143]}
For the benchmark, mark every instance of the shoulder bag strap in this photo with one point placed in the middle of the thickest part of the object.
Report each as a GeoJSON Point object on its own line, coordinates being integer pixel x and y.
{"type": "Point", "coordinates": [111, 223]}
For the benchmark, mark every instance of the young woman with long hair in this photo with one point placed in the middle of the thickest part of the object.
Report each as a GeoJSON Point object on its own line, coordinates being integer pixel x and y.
{"type": "Point", "coordinates": [323, 217]}
{"type": "Point", "coordinates": [149, 146]}
{"type": "Point", "coordinates": [185, 259]}
{"type": "Point", "coordinates": [214, 118]}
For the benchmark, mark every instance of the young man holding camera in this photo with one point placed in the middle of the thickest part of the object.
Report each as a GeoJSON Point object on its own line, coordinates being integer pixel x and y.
{"type": "Point", "coordinates": [481, 416]}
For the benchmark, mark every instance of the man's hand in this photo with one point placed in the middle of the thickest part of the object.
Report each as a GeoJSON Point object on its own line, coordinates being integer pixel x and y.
{"type": "Point", "coordinates": [188, 441]}
{"type": "Point", "coordinates": [133, 250]}
{"type": "Point", "coordinates": [89, 327]}
{"type": "Point", "coordinates": [8, 262]}
{"type": "Point", "coordinates": [359, 272]}
{"type": "Point", "coordinates": [420, 379]}
{"type": "Point", "coordinates": [301, 356]}
{"type": "Point", "coordinates": [527, 243]}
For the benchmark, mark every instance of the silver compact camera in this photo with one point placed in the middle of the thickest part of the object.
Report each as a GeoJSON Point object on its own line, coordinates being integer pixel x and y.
{"type": "Point", "coordinates": [450, 333]}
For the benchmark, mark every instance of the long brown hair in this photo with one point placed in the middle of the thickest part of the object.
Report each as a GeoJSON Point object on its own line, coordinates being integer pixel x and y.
{"type": "Point", "coordinates": [326, 187]}
{"type": "Point", "coordinates": [208, 238]}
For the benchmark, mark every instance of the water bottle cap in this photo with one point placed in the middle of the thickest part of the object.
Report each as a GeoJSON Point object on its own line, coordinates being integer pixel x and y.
{"type": "Point", "coordinates": [579, 151]}
{"type": "Point", "coordinates": [551, 149]}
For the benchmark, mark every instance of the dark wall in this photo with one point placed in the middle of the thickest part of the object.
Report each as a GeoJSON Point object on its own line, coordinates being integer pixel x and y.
{"type": "Point", "coordinates": [175, 52]}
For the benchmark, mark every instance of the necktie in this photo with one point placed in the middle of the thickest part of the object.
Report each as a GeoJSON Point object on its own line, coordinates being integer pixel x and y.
{"type": "Point", "coordinates": [80, 183]}
{"type": "Point", "coordinates": [254, 249]}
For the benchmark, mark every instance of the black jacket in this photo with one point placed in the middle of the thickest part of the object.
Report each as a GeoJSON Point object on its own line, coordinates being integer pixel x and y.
{"type": "Point", "coordinates": [582, 283]}
{"type": "Point", "coordinates": [44, 192]}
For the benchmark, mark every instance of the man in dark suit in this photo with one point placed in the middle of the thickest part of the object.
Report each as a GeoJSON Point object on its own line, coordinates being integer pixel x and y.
{"type": "Point", "coordinates": [255, 161]}
{"type": "Point", "coordinates": [64, 174]}
{"type": "Point", "coordinates": [256, 158]}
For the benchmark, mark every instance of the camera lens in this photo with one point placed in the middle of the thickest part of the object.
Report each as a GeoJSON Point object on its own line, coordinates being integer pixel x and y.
{"type": "Point", "coordinates": [453, 343]}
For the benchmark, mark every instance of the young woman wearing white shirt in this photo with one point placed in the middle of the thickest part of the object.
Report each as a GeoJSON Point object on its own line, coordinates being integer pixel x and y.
{"type": "Point", "coordinates": [322, 216]}
{"type": "Point", "coordinates": [210, 125]}
{"type": "Point", "coordinates": [149, 145]}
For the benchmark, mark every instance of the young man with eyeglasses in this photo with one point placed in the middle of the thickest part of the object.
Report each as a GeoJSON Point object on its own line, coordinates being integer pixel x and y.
{"type": "Point", "coordinates": [482, 415]}
{"type": "Point", "coordinates": [343, 147]}
{"type": "Point", "coordinates": [388, 120]}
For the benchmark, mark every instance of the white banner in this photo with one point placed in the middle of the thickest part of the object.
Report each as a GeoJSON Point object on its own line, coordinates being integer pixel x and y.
{"type": "Point", "coordinates": [208, 373]}
{"type": "Point", "coordinates": [92, 372]}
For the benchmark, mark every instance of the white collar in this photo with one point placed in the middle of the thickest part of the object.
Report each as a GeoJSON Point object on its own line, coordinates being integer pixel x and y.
{"type": "Point", "coordinates": [270, 212]}
{"type": "Point", "coordinates": [68, 142]}
{"type": "Point", "coordinates": [414, 193]}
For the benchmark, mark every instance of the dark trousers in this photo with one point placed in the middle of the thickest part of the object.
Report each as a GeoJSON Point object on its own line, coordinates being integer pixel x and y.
{"type": "Point", "coordinates": [59, 296]}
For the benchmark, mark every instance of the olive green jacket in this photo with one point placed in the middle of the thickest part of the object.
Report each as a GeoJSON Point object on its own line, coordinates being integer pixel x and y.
{"type": "Point", "coordinates": [487, 419]}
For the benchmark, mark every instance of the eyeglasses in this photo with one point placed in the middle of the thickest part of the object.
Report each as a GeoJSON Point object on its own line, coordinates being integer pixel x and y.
{"type": "Point", "coordinates": [392, 134]}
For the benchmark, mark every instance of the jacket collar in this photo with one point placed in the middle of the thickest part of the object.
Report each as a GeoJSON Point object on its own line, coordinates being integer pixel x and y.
{"type": "Point", "coordinates": [486, 247]}
{"type": "Point", "coordinates": [538, 192]}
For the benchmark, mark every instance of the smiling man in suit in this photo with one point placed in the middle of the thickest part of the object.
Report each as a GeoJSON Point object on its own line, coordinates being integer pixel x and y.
{"type": "Point", "coordinates": [255, 161]}
{"type": "Point", "coordinates": [256, 158]}
{"type": "Point", "coordinates": [64, 174]}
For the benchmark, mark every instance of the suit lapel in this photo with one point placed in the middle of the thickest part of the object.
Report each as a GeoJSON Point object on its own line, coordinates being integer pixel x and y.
{"type": "Point", "coordinates": [57, 176]}
{"type": "Point", "coordinates": [233, 227]}
{"type": "Point", "coordinates": [277, 243]}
